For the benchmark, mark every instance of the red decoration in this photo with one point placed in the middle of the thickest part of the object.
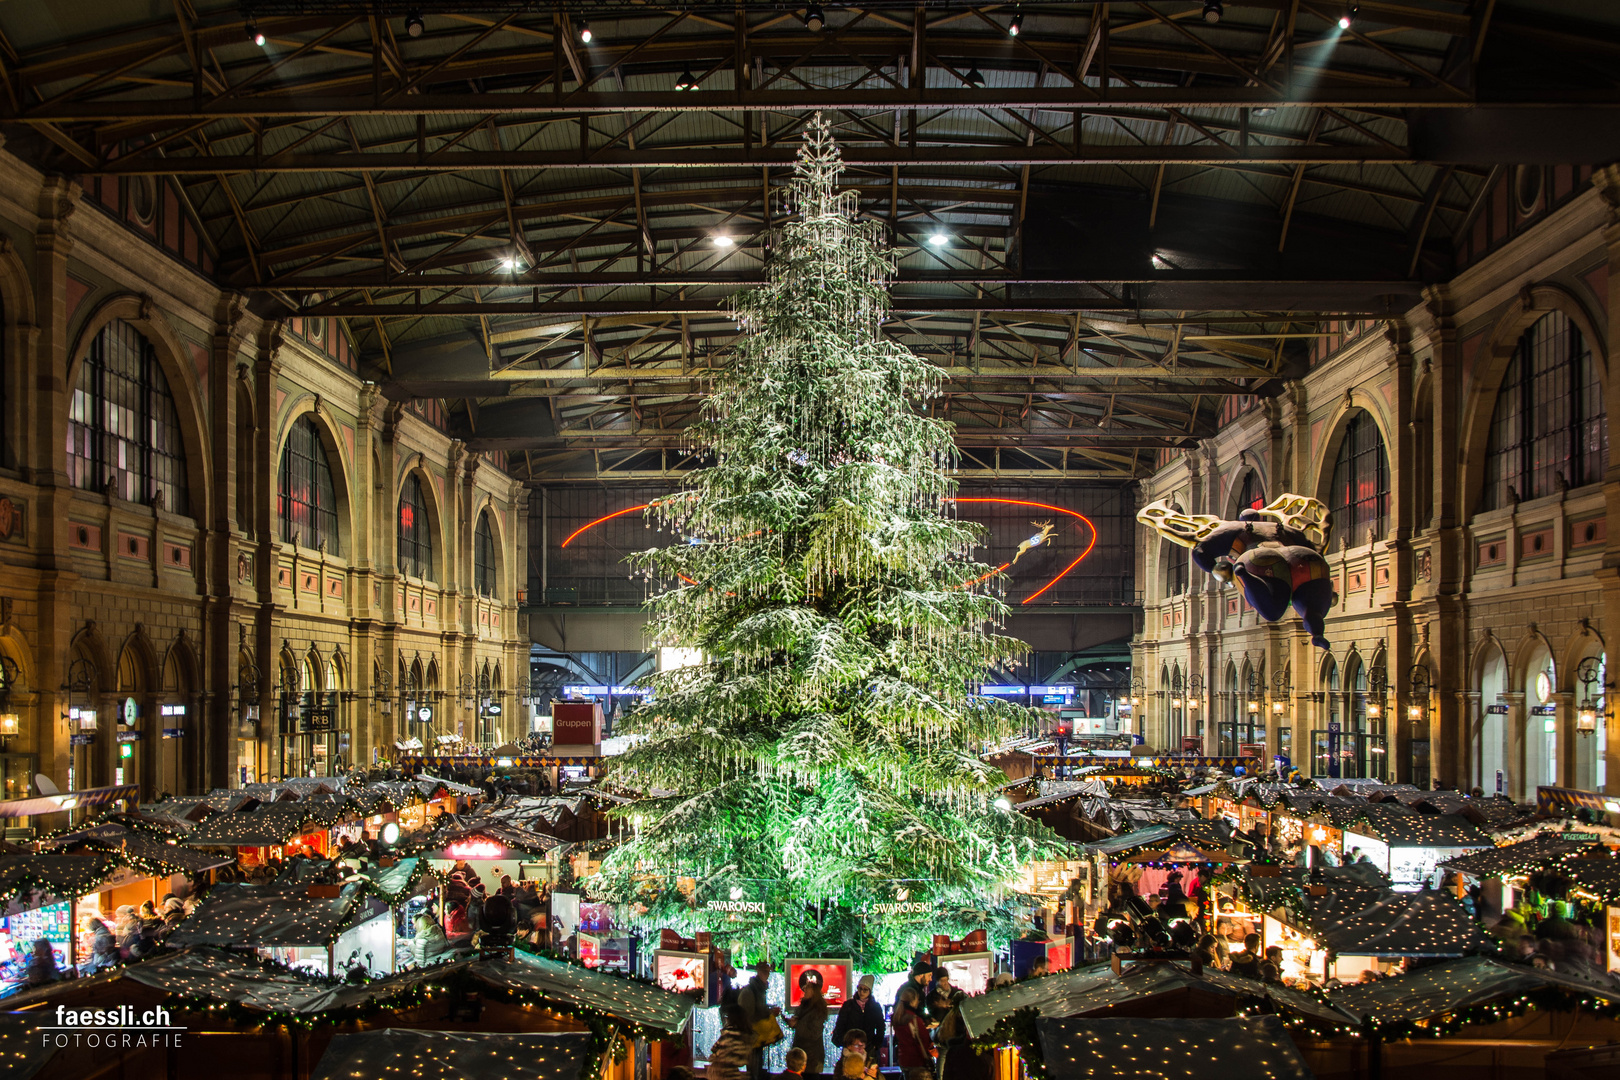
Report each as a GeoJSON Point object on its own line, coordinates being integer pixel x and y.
{"type": "Point", "coordinates": [971, 943]}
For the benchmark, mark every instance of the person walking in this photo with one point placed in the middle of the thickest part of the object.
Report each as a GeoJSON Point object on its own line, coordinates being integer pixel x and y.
{"type": "Point", "coordinates": [810, 1023]}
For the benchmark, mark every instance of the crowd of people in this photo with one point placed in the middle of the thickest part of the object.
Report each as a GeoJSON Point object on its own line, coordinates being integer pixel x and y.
{"type": "Point", "coordinates": [929, 1039]}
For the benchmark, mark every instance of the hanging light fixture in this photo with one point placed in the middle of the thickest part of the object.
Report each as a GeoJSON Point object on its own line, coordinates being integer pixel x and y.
{"type": "Point", "coordinates": [814, 20]}
{"type": "Point", "coordinates": [584, 31]}
{"type": "Point", "coordinates": [254, 35]}
{"type": "Point", "coordinates": [1348, 17]}
{"type": "Point", "coordinates": [686, 81]}
{"type": "Point", "coordinates": [973, 78]}
{"type": "Point", "coordinates": [413, 24]}
{"type": "Point", "coordinates": [1016, 26]}
{"type": "Point", "coordinates": [1213, 11]}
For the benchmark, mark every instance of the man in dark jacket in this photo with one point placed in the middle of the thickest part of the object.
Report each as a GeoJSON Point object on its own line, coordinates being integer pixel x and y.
{"type": "Point", "coordinates": [861, 1013]}
{"type": "Point", "coordinates": [755, 1007]}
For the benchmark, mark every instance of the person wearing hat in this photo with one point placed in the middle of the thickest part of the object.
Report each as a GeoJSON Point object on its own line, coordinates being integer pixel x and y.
{"type": "Point", "coordinates": [860, 1013]}
{"type": "Point", "coordinates": [922, 973]}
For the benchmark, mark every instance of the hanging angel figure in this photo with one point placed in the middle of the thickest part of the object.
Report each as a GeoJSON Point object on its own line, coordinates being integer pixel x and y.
{"type": "Point", "coordinates": [1275, 554]}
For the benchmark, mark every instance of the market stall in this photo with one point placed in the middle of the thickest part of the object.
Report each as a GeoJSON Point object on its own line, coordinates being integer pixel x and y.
{"type": "Point", "coordinates": [1498, 876]}
{"type": "Point", "coordinates": [1343, 931]}
{"type": "Point", "coordinates": [271, 833]}
{"type": "Point", "coordinates": [299, 926]}
{"type": "Point", "coordinates": [1410, 847]}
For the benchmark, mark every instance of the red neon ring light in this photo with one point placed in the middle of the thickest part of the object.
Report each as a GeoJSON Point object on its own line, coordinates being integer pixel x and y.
{"type": "Point", "coordinates": [977, 499]}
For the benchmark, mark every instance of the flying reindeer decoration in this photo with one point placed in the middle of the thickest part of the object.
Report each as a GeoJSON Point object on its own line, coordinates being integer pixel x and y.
{"type": "Point", "coordinates": [1047, 529]}
{"type": "Point", "coordinates": [1275, 553]}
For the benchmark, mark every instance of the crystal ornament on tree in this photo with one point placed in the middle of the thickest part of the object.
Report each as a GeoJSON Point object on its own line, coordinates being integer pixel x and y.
{"type": "Point", "coordinates": [827, 748]}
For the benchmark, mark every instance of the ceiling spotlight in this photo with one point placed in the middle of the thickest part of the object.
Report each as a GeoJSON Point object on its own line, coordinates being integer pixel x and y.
{"type": "Point", "coordinates": [584, 31]}
{"type": "Point", "coordinates": [1347, 18]}
{"type": "Point", "coordinates": [973, 78]}
{"type": "Point", "coordinates": [723, 241]}
{"type": "Point", "coordinates": [1213, 11]}
{"type": "Point", "coordinates": [1264, 110]}
{"type": "Point", "coordinates": [814, 20]}
{"type": "Point", "coordinates": [1016, 27]}
{"type": "Point", "coordinates": [686, 82]}
{"type": "Point", "coordinates": [413, 24]}
{"type": "Point", "coordinates": [254, 35]}
{"type": "Point", "coordinates": [509, 264]}
{"type": "Point", "coordinates": [939, 239]}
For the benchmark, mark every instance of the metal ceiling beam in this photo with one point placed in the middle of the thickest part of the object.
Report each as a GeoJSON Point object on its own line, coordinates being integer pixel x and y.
{"type": "Point", "coordinates": [652, 157]}
{"type": "Point", "coordinates": [279, 105]}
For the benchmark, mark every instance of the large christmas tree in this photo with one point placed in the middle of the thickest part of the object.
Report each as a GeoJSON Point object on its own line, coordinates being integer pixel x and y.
{"type": "Point", "coordinates": [820, 767]}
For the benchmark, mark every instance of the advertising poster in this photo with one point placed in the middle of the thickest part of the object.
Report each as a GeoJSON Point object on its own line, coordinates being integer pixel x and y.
{"type": "Point", "coordinates": [835, 980]}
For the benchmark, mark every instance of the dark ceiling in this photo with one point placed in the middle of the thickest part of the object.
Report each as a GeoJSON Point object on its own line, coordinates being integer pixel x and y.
{"type": "Point", "coordinates": [1142, 212]}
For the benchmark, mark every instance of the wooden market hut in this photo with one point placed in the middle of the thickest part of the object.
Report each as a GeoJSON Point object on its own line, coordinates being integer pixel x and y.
{"type": "Point", "coordinates": [270, 1023]}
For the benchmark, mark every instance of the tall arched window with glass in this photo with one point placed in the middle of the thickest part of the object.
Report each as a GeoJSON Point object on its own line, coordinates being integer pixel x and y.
{"type": "Point", "coordinates": [1358, 495]}
{"type": "Point", "coordinates": [1328, 740]}
{"type": "Point", "coordinates": [484, 556]}
{"type": "Point", "coordinates": [305, 491]}
{"type": "Point", "coordinates": [123, 430]}
{"type": "Point", "coordinates": [1549, 429]}
{"type": "Point", "coordinates": [415, 532]}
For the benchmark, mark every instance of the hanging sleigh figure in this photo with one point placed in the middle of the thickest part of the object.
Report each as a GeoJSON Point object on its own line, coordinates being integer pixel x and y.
{"type": "Point", "coordinates": [1275, 553]}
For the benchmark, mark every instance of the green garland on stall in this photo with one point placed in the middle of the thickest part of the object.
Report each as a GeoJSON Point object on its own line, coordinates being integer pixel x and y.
{"type": "Point", "coordinates": [1017, 1030]}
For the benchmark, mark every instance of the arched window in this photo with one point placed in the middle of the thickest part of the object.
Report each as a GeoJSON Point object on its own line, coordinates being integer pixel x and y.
{"type": "Point", "coordinates": [1251, 496]}
{"type": "Point", "coordinates": [1549, 427]}
{"type": "Point", "coordinates": [484, 556]}
{"type": "Point", "coordinates": [122, 424]}
{"type": "Point", "coordinates": [1359, 494]}
{"type": "Point", "coordinates": [415, 533]}
{"type": "Point", "coordinates": [308, 497]}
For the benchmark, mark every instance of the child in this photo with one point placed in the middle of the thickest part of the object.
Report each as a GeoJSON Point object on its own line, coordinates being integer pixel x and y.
{"type": "Point", "coordinates": [852, 1064]}
{"type": "Point", "coordinates": [797, 1059]}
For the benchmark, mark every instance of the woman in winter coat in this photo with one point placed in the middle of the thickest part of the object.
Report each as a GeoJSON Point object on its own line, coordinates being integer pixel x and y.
{"type": "Point", "coordinates": [861, 1013]}
{"type": "Point", "coordinates": [810, 1023]}
{"type": "Point", "coordinates": [913, 1050]}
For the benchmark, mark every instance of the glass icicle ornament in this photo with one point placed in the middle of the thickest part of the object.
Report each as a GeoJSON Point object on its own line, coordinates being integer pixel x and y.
{"type": "Point", "coordinates": [825, 746]}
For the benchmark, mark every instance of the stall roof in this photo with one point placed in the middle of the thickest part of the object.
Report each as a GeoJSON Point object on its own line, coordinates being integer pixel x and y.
{"type": "Point", "coordinates": [1256, 1048]}
{"type": "Point", "coordinates": [1353, 921]}
{"type": "Point", "coordinates": [1445, 988]}
{"type": "Point", "coordinates": [268, 825]}
{"type": "Point", "coordinates": [428, 784]}
{"type": "Point", "coordinates": [54, 877]}
{"type": "Point", "coordinates": [1599, 876]}
{"type": "Point", "coordinates": [266, 915]}
{"type": "Point", "coordinates": [509, 834]}
{"type": "Point", "coordinates": [1418, 830]}
{"type": "Point", "coordinates": [1515, 858]}
{"type": "Point", "coordinates": [631, 999]}
{"type": "Point", "coordinates": [1091, 990]}
{"type": "Point", "coordinates": [145, 853]}
{"type": "Point", "coordinates": [208, 974]}
{"type": "Point", "coordinates": [455, 1055]}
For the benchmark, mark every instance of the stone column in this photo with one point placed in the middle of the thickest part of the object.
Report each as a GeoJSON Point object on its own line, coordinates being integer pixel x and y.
{"type": "Point", "coordinates": [1515, 723]}
{"type": "Point", "coordinates": [1607, 182]}
{"type": "Point", "coordinates": [1470, 732]}
{"type": "Point", "coordinates": [1568, 740]}
{"type": "Point", "coordinates": [267, 555]}
{"type": "Point", "coordinates": [215, 734]}
{"type": "Point", "coordinates": [44, 461]}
